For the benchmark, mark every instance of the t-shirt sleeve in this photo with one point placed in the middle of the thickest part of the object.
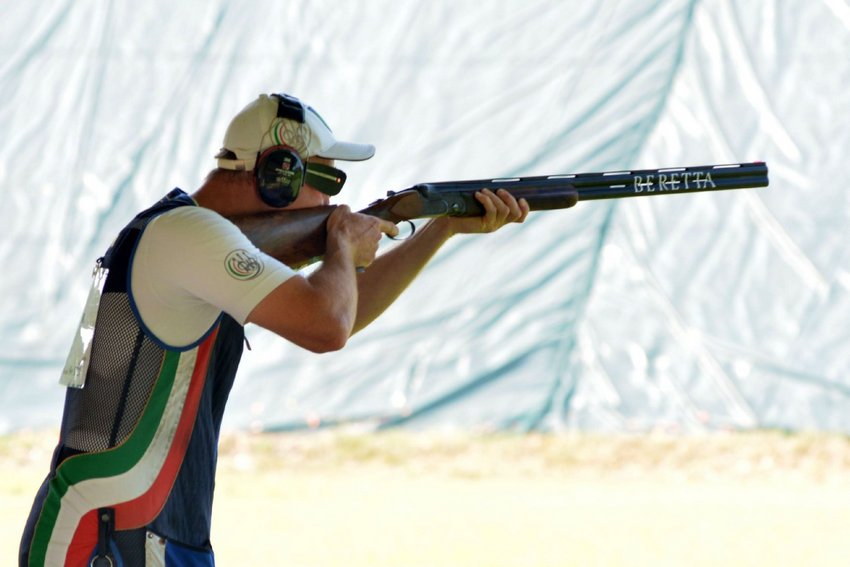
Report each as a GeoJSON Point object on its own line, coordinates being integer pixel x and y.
{"type": "Point", "coordinates": [192, 261]}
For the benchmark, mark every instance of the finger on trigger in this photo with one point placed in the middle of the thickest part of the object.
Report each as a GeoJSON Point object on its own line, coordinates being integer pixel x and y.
{"type": "Point", "coordinates": [389, 228]}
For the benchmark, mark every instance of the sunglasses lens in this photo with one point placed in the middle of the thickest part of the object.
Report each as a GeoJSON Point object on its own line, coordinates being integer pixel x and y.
{"type": "Point", "coordinates": [329, 180]}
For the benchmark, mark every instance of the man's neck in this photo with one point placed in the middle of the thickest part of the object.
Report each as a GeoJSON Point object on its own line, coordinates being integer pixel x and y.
{"type": "Point", "coordinates": [228, 193]}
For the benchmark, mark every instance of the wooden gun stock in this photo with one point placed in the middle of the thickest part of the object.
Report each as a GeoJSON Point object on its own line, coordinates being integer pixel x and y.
{"type": "Point", "coordinates": [296, 238]}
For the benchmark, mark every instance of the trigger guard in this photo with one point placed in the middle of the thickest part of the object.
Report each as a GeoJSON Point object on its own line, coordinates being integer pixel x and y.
{"type": "Point", "coordinates": [412, 232]}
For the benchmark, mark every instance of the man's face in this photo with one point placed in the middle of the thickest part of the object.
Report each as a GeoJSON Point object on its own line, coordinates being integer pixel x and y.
{"type": "Point", "coordinates": [309, 196]}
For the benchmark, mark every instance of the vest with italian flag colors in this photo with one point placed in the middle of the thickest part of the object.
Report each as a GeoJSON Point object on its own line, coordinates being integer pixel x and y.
{"type": "Point", "coordinates": [139, 441]}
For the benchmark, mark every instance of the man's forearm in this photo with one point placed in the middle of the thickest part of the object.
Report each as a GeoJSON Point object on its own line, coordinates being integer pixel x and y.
{"type": "Point", "coordinates": [391, 273]}
{"type": "Point", "coordinates": [336, 282]}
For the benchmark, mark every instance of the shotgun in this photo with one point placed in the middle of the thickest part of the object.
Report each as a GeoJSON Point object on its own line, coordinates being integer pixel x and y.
{"type": "Point", "coordinates": [297, 237]}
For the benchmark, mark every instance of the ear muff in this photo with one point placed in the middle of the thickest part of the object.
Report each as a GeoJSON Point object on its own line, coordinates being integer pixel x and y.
{"type": "Point", "coordinates": [279, 175]}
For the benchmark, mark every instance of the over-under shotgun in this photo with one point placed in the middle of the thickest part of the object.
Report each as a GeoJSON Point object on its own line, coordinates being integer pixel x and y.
{"type": "Point", "coordinates": [297, 237]}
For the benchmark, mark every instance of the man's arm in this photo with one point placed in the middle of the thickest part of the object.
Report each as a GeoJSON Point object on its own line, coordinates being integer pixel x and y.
{"type": "Point", "coordinates": [318, 312]}
{"type": "Point", "coordinates": [391, 273]}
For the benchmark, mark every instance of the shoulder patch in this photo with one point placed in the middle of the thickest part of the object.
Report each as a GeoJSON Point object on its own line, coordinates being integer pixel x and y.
{"type": "Point", "coordinates": [242, 265]}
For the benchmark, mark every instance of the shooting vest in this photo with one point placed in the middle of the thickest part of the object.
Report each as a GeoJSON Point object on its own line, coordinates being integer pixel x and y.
{"type": "Point", "coordinates": [133, 473]}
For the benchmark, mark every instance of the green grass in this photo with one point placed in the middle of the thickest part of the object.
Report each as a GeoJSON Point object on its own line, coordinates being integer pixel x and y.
{"type": "Point", "coordinates": [402, 499]}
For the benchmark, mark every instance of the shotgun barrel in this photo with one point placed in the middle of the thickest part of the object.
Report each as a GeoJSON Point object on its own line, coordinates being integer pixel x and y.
{"type": "Point", "coordinates": [629, 183]}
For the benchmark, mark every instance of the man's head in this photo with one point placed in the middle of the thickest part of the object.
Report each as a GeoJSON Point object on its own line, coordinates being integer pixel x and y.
{"type": "Point", "coordinates": [287, 145]}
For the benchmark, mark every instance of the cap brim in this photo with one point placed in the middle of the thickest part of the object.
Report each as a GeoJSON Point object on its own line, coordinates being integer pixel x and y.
{"type": "Point", "coordinates": [348, 151]}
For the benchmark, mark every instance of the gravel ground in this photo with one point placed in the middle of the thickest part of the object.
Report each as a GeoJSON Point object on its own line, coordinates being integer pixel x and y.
{"type": "Point", "coordinates": [344, 497]}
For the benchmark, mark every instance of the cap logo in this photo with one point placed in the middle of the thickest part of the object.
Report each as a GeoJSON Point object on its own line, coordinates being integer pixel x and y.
{"type": "Point", "coordinates": [296, 136]}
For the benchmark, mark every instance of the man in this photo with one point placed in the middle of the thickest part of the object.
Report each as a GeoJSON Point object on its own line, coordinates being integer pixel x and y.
{"type": "Point", "coordinates": [132, 477]}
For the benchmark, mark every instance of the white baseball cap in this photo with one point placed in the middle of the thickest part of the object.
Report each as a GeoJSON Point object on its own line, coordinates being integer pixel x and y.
{"type": "Point", "coordinates": [283, 120]}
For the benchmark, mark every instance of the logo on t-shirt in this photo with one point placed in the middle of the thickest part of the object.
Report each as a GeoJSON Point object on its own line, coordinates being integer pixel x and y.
{"type": "Point", "coordinates": [243, 265]}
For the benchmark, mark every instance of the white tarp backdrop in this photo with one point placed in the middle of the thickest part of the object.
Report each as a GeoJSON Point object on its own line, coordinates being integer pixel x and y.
{"type": "Point", "coordinates": [697, 311]}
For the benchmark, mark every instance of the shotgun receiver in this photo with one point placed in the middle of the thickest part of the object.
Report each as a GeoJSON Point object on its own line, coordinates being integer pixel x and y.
{"type": "Point", "coordinates": [297, 237]}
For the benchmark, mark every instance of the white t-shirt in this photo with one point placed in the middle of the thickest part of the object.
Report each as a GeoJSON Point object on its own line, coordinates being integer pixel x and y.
{"type": "Point", "coordinates": [190, 265]}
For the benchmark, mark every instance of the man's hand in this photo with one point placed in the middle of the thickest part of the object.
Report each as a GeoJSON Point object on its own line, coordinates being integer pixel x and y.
{"type": "Point", "coordinates": [357, 235]}
{"type": "Point", "coordinates": [500, 208]}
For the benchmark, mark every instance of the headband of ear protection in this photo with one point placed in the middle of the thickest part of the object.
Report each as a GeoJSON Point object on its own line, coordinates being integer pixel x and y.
{"type": "Point", "coordinates": [280, 172]}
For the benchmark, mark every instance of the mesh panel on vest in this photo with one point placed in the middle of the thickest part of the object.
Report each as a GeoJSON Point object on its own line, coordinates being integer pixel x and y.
{"type": "Point", "coordinates": [131, 546]}
{"type": "Point", "coordinates": [124, 367]}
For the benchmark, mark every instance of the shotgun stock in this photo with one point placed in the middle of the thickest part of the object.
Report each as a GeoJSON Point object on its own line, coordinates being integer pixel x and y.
{"type": "Point", "coordinates": [297, 237]}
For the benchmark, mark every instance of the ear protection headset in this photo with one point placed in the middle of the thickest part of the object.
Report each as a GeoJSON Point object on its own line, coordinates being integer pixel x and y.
{"type": "Point", "coordinates": [280, 173]}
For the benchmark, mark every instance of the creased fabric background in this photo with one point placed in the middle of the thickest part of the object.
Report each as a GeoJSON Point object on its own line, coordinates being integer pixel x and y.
{"type": "Point", "coordinates": [708, 311]}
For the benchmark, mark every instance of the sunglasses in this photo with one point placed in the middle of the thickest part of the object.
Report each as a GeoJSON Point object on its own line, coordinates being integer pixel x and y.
{"type": "Point", "coordinates": [325, 178]}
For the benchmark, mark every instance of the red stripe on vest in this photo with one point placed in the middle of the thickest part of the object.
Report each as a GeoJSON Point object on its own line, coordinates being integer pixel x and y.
{"type": "Point", "coordinates": [84, 542]}
{"type": "Point", "coordinates": [144, 509]}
